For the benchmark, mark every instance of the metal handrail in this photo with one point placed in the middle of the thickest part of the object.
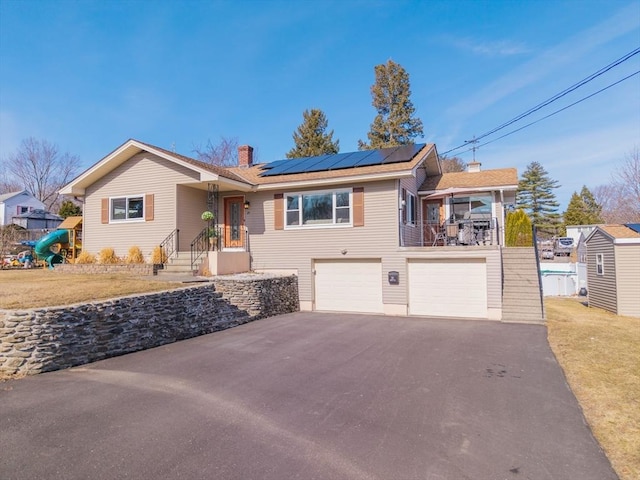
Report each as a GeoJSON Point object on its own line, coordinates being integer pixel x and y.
{"type": "Point", "coordinates": [170, 245]}
{"type": "Point", "coordinates": [201, 244]}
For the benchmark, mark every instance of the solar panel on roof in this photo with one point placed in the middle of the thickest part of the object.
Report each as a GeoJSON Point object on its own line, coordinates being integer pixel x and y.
{"type": "Point", "coordinates": [328, 162]}
{"type": "Point", "coordinates": [302, 164]}
{"type": "Point", "coordinates": [374, 158]}
{"type": "Point", "coordinates": [634, 226]}
{"type": "Point", "coordinates": [404, 153]}
{"type": "Point", "coordinates": [351, 160]}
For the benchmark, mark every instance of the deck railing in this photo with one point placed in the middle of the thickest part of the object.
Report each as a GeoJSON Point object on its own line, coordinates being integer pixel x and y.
{"type": "Point", "coordinates": [466, 232]}
{"type": "Point", "coordinates": [171, 244]}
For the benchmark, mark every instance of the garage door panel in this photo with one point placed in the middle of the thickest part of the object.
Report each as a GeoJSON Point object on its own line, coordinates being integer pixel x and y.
{"type": "Point", "coordinates": [448, 288]}
{"type": "Point", "coordinates": [349, 286]}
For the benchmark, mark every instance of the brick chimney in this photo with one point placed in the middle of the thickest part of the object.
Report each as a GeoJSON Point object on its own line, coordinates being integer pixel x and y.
{"type": "Point", "coordinates": [473, 166]}
{"type": "Point", "coordinates": [245, 156]}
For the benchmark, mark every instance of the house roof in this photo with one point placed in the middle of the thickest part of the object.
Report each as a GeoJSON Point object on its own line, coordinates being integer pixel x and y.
{"type": "Point", "coordinates": [500, 177]}
{"type": "Point", "coordinates": [39, 215]}
{"type": "Point", "coordinates": [207, 172]}
{"type": "Point", "coordinates": [6, 196]}
{"type": "Point", "coordinates": [427, 154]}
{"type": "Point", "coordinates": [617, 233]}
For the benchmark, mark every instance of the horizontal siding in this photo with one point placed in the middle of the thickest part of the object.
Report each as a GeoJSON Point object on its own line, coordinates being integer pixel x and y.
{"type": "Point", "coordinates": [142, 174]}
{"type": "Point", "coordinates": [628, 279]}
{"type": "Point", "coordinates": [190, 203]}
{"type": "Point", "coordinates": [295, 249]}
{"type": "Point", "coordinates": [602, 288]}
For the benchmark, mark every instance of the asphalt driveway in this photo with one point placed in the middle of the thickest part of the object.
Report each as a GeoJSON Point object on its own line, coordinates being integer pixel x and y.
{"type": "Point", "coordinates": [309, 396]}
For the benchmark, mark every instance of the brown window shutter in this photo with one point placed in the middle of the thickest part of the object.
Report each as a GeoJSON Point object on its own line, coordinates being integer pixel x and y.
{"type": "Point", "coordinates": [148, 207]}
{"type": "Point", "coordinates": [278, 211]}
{"type": "Point", "coordinates": [104, 210]}
{"type": "Point", "coordinates": [358, 207]}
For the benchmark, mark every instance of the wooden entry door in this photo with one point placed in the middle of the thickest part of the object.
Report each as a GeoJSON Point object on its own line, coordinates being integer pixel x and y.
{"type": "Point", "coordinates": [433, 220]}
{"type": "Point", "coordinates": [234, 222]}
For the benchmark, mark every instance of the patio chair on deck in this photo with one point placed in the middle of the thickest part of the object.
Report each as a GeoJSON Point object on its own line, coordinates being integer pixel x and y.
{"type": "Point", "coordinates": [438, 236]}
{"type": "Point", "coordinates": [452, 230]}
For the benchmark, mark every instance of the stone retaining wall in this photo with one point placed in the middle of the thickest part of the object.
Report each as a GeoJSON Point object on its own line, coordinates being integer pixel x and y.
{"type": "Point", "coordinates": [45, 339]}
{"type": "Point", "coordinates": [143, 269]}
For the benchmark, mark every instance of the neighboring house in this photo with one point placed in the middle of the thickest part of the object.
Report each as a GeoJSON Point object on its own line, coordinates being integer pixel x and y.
{"type": "Point", "coordinates": [17, 203]}
{"type": "Point", "coordinates": [364, 231]}
{"type": "Point", "coordinates": [38, 219]}
{"type": "Point", "coordinates": [613, 268]}
{"type": "Point", "coordinates": [574, 231]}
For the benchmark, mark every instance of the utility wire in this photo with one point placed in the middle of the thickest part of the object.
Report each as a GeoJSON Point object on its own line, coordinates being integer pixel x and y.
{"type": "Point", "coordinates": [551, 114]}
{"type": "Point", "coordinates": [557, 96]}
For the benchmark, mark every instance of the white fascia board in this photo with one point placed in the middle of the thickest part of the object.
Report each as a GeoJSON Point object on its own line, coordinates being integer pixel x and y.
{"type": "Point", "coordinates": [335, 181]}
{"type": "Point", "coordinates": [626, 241]}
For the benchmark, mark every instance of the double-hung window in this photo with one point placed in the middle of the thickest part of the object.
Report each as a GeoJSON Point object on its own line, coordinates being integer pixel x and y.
{"type": "Point", "coordinates": [320, 208]}
{"type": "Point", "coordinates": [409, 213]}
{"type": "Point", "coordinates": [130, 208]}
{"type": "Point", "coordinates": [600, 264]}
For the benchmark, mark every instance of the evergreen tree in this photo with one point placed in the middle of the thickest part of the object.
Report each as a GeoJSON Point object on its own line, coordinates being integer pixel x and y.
{"type": "Point", "coordinates": [518, 232]}
{"type": "Point", "coordinates": [395, 123]}
{"type": "Point", "coordinates": [310, 138]}
{"type": "Point", "coordinates": [583, 209]}
{"type": "Point", "coordinates": [535, 195]}
{"type": "Point", "coordinates": [69, 209]}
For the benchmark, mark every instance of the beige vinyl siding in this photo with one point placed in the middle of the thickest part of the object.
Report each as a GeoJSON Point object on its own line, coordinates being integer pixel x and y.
{"type": "Point", "coordinates": [190, 203]}
{"type": "Point", "coordinates": [294, 249]}
{"type": "Point", "coordinates": [602, 288]}
{"type": "Point", "coordinates": [377, 239]}
{"type": "Point", "coordinates": [627, 262]}
{"type": "Point", "coordinates": [143, 174]}
{"type": "Point", "coordinates": [411, 233]}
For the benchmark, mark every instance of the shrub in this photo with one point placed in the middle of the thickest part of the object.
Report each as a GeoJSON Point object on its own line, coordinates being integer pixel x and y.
{"type": "Point", "coordinates": [135, 255]}
{"type": "Point", "coordinates": [107, 256]}
{"type": "Point", "coordinates": [518, 229]}
{"type": "Point", "coordinates": [86, 257]}
{"type": "Point", "coordinates": [158, 255]}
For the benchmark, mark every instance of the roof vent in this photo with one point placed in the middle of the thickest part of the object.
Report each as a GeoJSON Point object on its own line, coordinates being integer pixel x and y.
{"type": "Point", "coordinates": [473, 166]}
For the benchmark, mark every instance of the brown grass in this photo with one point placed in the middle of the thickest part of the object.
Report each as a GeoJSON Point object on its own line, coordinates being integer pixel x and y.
{"type": "Point", "coordinates": [600, 355]}
{"type": "Point", "coordinates": [45, 288]}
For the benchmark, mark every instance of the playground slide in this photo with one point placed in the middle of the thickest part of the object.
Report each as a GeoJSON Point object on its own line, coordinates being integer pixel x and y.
{"type": "Point", "coordinates": [43, 246]}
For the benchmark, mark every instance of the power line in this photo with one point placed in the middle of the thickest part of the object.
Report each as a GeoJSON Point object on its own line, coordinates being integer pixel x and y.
{"type": "Point", "coordinates": [475, 147]}
{"type": "Point", "coordinates": [557, 96]}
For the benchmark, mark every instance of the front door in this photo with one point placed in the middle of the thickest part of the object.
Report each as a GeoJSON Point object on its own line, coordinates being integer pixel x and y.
{"type": "Point", "coordinates": [234, 222]}
{"type": "Point", "coordinates": [433, 218]}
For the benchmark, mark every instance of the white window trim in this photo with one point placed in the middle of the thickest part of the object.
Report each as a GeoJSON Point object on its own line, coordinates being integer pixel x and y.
{"type": "Point", "coordinates": [127, 220]}
{"type": "Point", "coordinates": [333, 192]}
{"type": "Point", "coordinates": [600, 264]}
{"type": "Point", "coordinates": [412, 209]}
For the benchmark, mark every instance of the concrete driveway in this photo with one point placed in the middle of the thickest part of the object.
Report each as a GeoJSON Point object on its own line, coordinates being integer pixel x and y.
{"type": "Point", "coordinates": [309, 396]}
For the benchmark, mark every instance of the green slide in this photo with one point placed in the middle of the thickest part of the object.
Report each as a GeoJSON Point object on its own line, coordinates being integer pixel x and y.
{"type": "Point", "coordinates": [43, 246]}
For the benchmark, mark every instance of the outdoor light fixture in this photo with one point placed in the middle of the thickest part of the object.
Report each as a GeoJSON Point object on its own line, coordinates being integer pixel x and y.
{"type": "Point", "coordinates": [247, 204]}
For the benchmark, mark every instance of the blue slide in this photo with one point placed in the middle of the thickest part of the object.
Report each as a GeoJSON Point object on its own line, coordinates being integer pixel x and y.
{"type": "Point", "coordinates": [43, 246]}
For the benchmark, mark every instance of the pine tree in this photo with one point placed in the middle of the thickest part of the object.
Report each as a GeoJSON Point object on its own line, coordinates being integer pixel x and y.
{"type": "Point", "coordinates": [583, 209]}
{"type": "Point", "coordinates": [395, 123]}
{"type": "Point", "coordinates": [69, 209]}
{"type": "Point", "coordinates": [535, 195]}
{"type": "Point", "coordinates": [310, 138]}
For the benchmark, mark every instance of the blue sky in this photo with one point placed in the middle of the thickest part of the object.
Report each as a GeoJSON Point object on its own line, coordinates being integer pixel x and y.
{"type": "Point", "coordinates": [88, 75]}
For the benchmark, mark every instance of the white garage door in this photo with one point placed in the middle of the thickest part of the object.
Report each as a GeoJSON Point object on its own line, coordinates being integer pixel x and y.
{"type": "Point", "coordinates": [448, 288]}
{"type": "Point", "coordinates": [348, 286]}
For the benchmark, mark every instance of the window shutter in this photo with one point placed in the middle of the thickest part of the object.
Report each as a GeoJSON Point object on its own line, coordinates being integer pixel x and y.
{"type": "Point", "coordinates": [358, 207]}
{"type": "Point", "coordinates": [105, 210]}
{"type": "Point", "coordinates": [278, 211]}
{"type": "Point", "coordinates": [148, 207]}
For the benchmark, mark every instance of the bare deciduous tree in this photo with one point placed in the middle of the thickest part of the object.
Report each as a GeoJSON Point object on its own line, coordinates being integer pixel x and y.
{"type": "Point", "coordinates": [620, 200]}
{"type": "Point", "coordinates": [41, 169]}
{"type": "Point", "coordinates": [452, 164]}
{"type": "Point", "coordinates": [224, 154]}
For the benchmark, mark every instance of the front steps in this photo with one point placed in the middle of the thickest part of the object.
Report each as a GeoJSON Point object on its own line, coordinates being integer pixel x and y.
{"type": "Point", "coordinates": [521, 290]}
{"type": "Point", "coordinates": [180, 264]}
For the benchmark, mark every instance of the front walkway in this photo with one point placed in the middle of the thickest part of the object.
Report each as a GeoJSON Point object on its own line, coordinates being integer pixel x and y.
{"type": "Point", "coordinates": [309, 396]}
